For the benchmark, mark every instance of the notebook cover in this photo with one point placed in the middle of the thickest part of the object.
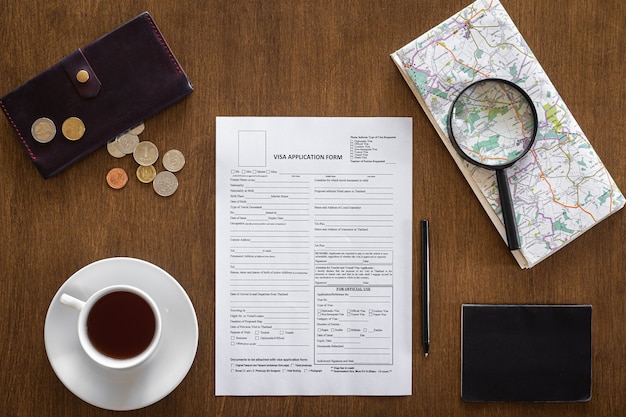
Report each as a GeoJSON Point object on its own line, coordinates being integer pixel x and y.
{"type": "Point", "coordinates": [538, 353]}
{"type": "Point", "coordinates": [133, 74]}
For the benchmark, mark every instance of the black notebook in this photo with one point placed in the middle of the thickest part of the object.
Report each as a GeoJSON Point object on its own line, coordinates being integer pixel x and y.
{"type": "Point", "coordinates": [525, 352]}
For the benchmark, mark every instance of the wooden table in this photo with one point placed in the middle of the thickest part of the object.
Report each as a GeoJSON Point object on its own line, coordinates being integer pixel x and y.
{"type": "Point", "coordinates": [300, 58]}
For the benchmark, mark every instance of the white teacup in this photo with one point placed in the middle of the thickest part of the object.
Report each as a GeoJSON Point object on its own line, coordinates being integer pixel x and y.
{"type": "Point", "coordinates": [118, 326]}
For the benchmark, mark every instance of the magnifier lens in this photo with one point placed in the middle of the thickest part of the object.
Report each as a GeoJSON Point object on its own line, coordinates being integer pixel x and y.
{"type": "Point", "coordinates": [493, 123]}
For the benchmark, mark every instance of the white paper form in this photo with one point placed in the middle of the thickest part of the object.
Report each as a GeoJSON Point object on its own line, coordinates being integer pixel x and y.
{"type": "Point", "coordinates": [313, 256]}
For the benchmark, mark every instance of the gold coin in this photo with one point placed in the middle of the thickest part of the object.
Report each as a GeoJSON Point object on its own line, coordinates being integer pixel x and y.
{"type": "Point", "coordinates": [117, 178]}
{"type": "Point", "coordinates": [146, 173]}
{"type": "Point", "coordinates": [73, 128]}
{"type": "Point", "coordinates": [43, 130]}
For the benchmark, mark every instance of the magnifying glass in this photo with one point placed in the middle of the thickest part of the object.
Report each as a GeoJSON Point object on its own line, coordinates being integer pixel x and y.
{"type": "Point", "coordinates": [493, 124]}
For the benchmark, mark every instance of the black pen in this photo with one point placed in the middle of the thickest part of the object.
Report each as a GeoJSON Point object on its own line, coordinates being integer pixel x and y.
{"type": "Point", "coordinates": [425, 287]}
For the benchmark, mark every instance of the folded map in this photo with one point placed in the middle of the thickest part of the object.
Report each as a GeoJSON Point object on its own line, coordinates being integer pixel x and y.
{"type": "Point", "coordinates": [560, 188]}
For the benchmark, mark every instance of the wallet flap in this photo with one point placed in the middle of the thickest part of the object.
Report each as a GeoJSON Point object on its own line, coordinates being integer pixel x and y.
{"type": "Point", "coordinates": [81, 74]}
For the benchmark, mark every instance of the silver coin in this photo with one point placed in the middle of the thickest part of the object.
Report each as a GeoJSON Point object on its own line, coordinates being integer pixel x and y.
{"type": "Point", "coordinates": [137, 130]}
{"type": "Point", "coordinates": [113, 151]}
{"type": "Point", "coordinates": [146, 153]}
{"type": "Point", "coordinates": [173, 160]}
{"type": "Point", "coordinates": [126, 142]}
{"type": "Point", "coordinates": [165, 183]}
{"type": "Point", "coordinates": [43, 130]}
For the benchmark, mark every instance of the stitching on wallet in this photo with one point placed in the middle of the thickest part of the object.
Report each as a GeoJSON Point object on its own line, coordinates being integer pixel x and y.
{"type": "Point", "coordinates": [164, 44]}
{"type": "Point", "coordinates": [6, 111]}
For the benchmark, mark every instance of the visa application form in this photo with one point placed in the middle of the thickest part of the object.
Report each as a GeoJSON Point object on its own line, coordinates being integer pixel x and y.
{"type": "Point", "coordinates": [313, 256]}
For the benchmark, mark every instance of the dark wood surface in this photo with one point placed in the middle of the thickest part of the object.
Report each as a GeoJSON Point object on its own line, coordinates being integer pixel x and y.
{"type": "Point", "coordinates": [300, 58]}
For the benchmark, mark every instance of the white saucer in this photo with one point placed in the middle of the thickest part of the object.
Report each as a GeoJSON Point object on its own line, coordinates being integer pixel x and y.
{"type": "Point", "coordinates": [136, 387]}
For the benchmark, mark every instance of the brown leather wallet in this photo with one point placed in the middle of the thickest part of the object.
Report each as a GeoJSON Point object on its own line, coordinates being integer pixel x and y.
{"type": "Point", "coordinates": [94, 94]}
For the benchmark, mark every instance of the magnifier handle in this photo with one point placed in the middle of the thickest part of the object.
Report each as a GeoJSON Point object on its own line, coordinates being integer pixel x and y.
{"type": "Point", "coordinates": [507, 210]}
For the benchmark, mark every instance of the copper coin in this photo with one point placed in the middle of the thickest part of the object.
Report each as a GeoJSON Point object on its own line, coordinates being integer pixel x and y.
{"type": "Point", "coordinates": [117, 178]}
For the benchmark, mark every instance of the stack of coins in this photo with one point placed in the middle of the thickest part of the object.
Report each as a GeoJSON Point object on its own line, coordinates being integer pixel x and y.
{"type": "Point", "coordinates": [146, 154]}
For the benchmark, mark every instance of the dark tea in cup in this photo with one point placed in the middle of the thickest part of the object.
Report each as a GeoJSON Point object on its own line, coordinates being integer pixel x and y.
{"type": "Point", "coordinates": [121, 325]}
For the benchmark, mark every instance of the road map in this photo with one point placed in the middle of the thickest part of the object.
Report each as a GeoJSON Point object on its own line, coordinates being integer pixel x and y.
{"type": "Point", "coordinates": [560, 188]}
{"type": "Point", "coordinates": [492, 123]}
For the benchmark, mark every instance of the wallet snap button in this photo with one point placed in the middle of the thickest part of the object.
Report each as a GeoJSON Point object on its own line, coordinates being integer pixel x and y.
{"type": "Point", "coordinates": [82, 76]}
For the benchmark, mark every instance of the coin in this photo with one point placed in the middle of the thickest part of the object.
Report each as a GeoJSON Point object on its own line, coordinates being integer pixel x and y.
{"type": "Point", "coordinates": [165, 183]}
{"type": "Point", "coordinates": [43, 130]}
{"type": "Point", "coordinates": [146, 174]}
{"type": "Point", "coordinates": [126, 142]}
{"type": "Point", "coordinates": [117, 178]}
{"type": "Point", "coordinates": [137, 130]}
{"type": "Point", "coordinates": [173, 160]}
{"type": "Point", "coordinates": [73, 128]}
{"type": "Point", "coordinates": [113, 151]}
{"type": "Point", "coordinates": [146, 153]}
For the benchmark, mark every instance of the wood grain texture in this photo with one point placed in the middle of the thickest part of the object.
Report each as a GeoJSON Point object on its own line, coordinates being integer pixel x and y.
{"type": "Point", "coordinates": [300, 58]}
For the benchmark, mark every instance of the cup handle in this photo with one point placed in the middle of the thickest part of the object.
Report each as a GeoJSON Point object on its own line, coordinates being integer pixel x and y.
{"type": "Point", "coordinates": [70, 301]}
